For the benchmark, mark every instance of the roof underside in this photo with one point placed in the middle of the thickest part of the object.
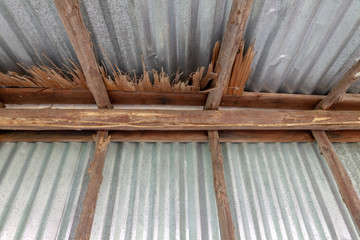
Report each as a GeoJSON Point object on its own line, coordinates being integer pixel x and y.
{"type": "Point", "coordinates": [302, 46]}
{"type": "Point", "coordinates": [165, 191]}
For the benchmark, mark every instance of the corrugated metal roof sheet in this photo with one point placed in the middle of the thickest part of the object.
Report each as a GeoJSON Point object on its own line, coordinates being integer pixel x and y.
{"type": "Point", "coordinates": [349, 155]}
{"type": "Point", "coordinates": [279, 191]}
{"type": "Point", "coordinates": [302, 46]}
{"type": "Point", "coordinates": [165, 191]}
{"type": "Point", "coordinates": [42, 187]}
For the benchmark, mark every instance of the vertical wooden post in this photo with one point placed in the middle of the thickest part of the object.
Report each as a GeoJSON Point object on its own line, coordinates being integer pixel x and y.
{"type": "Point", "coordinates": [83, 230]}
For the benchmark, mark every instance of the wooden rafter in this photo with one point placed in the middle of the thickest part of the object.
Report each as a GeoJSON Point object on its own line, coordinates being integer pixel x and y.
{"type": "Point", "coordinates": [83, 230]}
{"type": "Point", "coordinates": [116, 119]}
{"type": "Point", "coordinates": [79, 36]}
{"type": "Point", "coordinates": [338, 92]}
{"type": "Point", "coordinates": [222, 201]}
{"type": "Point", "coordinates": [346, 188]}
{"type": "Point", "coordinates": [235, 27]}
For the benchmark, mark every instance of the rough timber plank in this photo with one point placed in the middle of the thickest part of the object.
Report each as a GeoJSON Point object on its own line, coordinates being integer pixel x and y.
{"type": "Point", "coordinates": [342, 179]}
{"type": "Point", "coordinates": [247, 99]}
{"type": "Point", "coordinates": [222, 201]}
{"type": "Point", "coordinates": [338, 92]}
{"type": "Point", "coordinates": [79, 36]}
{"type": "Point", "coordinates": [239, 13]}
{"type": "Point", "coordinates": [114, 119]}
{"type": "Point", "coordinates": [83, 230]}
{"type": "Point", "coordinates": [346, 188]}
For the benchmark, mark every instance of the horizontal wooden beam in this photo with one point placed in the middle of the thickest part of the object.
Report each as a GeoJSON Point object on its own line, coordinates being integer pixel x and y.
{"type": "Point", "coordinates": [114, 119]}
{"type": "Point", "coordinates": [233, 136]}
{"type": "Point", "coordinates": [248, 99]}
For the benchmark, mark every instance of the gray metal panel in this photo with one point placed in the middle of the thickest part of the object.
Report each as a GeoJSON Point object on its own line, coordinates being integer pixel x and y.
{"type": "Point", "coordinates": [165, 191]}
{"type": "Point", "coordinates": [169, 34]}
{"type": "Point", "coordinates": [302, 46]}
{"type": "Point", "coordinates": [42, 187]}
{"type": "Point", "coordinates": [349, 154]}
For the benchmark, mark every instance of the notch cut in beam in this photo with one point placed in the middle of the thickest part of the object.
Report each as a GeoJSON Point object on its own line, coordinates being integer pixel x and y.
{"type": "Point", "coordinates": [66, 119]}
{"type": "Point", "coordinates": [83, 230]}
{"type": "Point", "coordinates": [80, 39]}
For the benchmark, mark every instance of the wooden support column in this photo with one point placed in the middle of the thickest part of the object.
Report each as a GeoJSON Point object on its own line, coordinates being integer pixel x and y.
{"type": "Point", "coordinates": [346, 188]}
{"type": "Point", "coordinates": [79, 36]}
{"type": "Point", "coordinates": [83, 230]}
{"type": "Point", "coordinates": [239, 13]}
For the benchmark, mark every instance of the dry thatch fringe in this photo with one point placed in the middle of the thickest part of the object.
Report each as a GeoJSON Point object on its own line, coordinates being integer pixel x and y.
{"type": "Point", "coordinates": [73, 77]}
{"type": "Point", "coordinates": [162, 82]}
{"type": "Point", "coordinates": [45, 77]}
{"type": "Point", "coordinates": [241, 70]}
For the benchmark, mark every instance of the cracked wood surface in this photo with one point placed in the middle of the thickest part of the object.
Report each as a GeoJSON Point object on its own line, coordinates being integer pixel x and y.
{"type": "Point", "coordinates": [80, 39]}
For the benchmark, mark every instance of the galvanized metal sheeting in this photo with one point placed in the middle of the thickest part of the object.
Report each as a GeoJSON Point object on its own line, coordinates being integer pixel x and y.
{"type": "Point", "coordinates": [165, 191]}
{"type": "Point", "coordinates": [41, 188]}
{"type": "Point", "coordinates": [349, 155]}
{"type": "Point", "coordinates": [302, 46]}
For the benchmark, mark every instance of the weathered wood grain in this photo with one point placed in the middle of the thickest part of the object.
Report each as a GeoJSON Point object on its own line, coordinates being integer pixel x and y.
{"type": "Point", "coordinates": [80, 39]}
{"type": "Point", "coordinates": [83, 230]}
{"type": "Point", "coordinates": [235, 27]}
{"type": "Point", "coordinates": [223, 208]}
{"type": "Point", "coordinates": [247, 99]}
{"type": "Point", "coordinates": [342, 179]}
{"type": "Point", "coordinates": [244, 119]}
{"type": "Point", "coordinates": [338, 92]}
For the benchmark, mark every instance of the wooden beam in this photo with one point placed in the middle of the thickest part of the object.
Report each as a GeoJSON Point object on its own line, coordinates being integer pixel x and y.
{"type": "Point", "coordinates": [343, 181]}
{"type": "Point", "coordinates": [114, 119]}
{"type": "Point", "coordinates": [346, 188]}
{"type": "Point", "coordinates": [232, 136]}
{"type": "Point", "coordinates": [222, 202]}
{"type": "Point", "coordinates": [79, 36]}
{"type": "Point", "coordinates": [246, 100]}
{"type": "Point", "coordinates": [338, 92]}
{"type": "Point", "coordinates": [235, 27]}
{"type": "Point", "coordinates": [83, 230]}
